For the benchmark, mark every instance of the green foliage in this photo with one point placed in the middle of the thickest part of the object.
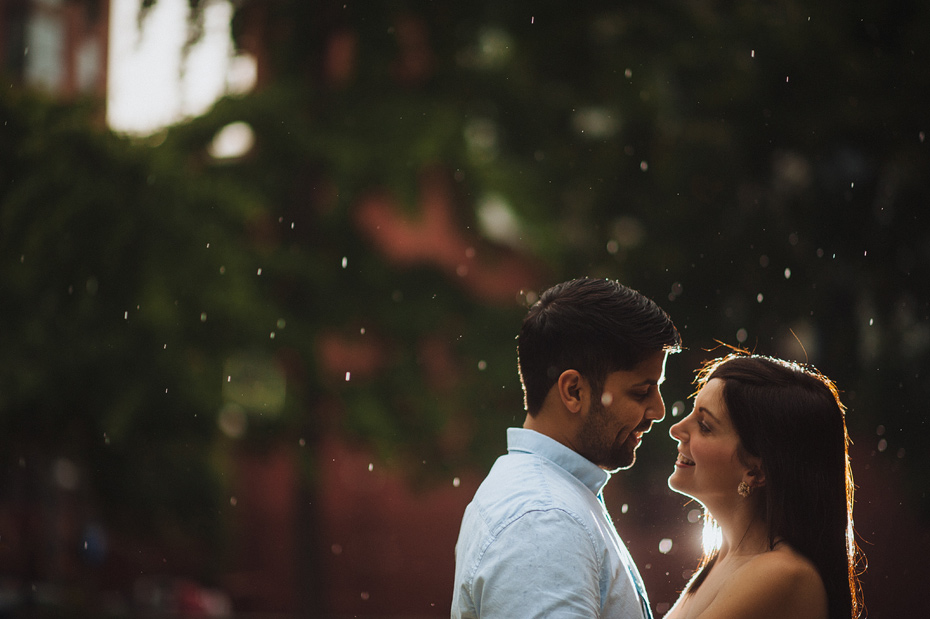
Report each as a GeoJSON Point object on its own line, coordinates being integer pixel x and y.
{"type": "Point", "coordinates": [116, 318]}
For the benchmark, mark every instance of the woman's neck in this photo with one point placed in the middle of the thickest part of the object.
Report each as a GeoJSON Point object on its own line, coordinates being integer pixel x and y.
{"type": "Point", "coordinates": [743, 531]}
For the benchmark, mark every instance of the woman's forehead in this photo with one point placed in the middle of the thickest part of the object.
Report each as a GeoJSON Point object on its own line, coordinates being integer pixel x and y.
{"type": "Point", "coordinates": [710, 399]}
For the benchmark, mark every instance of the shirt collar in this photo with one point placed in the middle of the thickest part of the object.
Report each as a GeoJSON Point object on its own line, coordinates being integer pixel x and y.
{"type": "Point", "coordinates": [521, 440]}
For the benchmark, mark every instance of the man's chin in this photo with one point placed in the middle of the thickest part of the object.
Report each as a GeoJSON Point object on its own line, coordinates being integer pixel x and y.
{"type": "Point", "coordinates": [620, 461]}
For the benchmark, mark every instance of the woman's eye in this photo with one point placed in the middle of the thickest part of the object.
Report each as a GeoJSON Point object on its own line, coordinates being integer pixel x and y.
{"type": "Point", "coordinates": [703, 426]}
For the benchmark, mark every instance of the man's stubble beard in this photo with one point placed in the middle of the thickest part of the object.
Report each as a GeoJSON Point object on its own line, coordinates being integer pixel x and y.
{"type": "Point", "coordinates": [593, 436]}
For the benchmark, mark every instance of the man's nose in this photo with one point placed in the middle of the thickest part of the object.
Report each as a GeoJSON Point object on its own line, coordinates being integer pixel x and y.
{"type": "Point", "coordinates": [656, 411]}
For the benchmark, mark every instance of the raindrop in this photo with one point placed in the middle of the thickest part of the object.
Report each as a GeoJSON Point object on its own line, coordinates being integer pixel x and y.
{"type": "Point", "coordinates": [871, 321]}
{"type": "Point", "coordinates": [482, 365]}
{"type": "Point", "coordinates": [880, 430]}
{"type": "Point", "coordinates": [759, 298]}
{"type": "Point", "coordinates": [222, 270]}
{"type": "Point", "coordinates": [229, 379]}
{"type": "Point", "coordinates": [607, 398]}
{"type": "Point", "coordinates": [643, 166]}
{"type": "Point", "coordinates": [364, 595]}
{"type": "Point", "coordinates": [612, 246]}
{"type": "Point", "coordinates": [106, 439]}
{"type": "Point", "coordinates": [203, 317]}
{"type": "Point", "coordinates": [281, 323]}
{"type": "Point", "coordinates": [624, 508]}
{"type": "Point", "coordinates": [208, 246]}
{"type": "Point", "coordinates": [456, 482]}
{"type": "Point", "coordinates": [793, 238]}
{"type": "Point", "coordinates": [348, 376]}
{"type": "Point", "coordinates": [921, 136]}
{"type": "Point", "coordinates": [665, 546]}
{"type": "Point", "coordinates": [125, 315]}
{"type": "Point", "coordinates": [787, 273]}
{"type": "Point", "coordinates": [882, 445]}
{"type": "Point", "coordinates": [901, 453]}
{"type": "Point", "coordinates": [763, 261]}
{"type": "Point", "coordinates": [302, 442]}
{"type": "Point", "coordinates": [741, 335]}
{"type": "Point", "coordinates": [629, 73]}
{"type": "Point", "coordinates": [678, 408]}
{"type": "Point", "coordinates": [337, 549]}
{"type": "Point", "coordinates": [345, 262]}
{"type": "Point", "coordinates": [694, 515]}
{"type": "Point", "coordinates": [752, 54]}
{"type": "Point", "coordinates": [362, 330]}
{"type": "Point", "coordinates": [233, 501]}
{"type": "Point", "coordinates": [259, 271]}
{"type": "Point", "coordinates": [371, 467]}
{"type": "Point", "coordinates": [271, 335]}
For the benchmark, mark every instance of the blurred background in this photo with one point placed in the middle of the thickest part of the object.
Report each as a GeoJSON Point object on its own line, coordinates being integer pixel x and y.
{"type": "Point", "coordinates": [262, 264]}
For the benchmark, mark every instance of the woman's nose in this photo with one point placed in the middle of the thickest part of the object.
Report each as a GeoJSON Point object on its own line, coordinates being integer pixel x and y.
{"type": "Point", "coordinates": [675, 431]}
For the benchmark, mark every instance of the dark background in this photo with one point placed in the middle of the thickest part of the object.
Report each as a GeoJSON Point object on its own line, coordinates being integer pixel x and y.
{"type": "Point", "coordinates": [269, 384]}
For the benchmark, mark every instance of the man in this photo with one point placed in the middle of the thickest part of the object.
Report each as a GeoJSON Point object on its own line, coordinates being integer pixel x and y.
{"type": "Point", "coordinates": [536, 540]}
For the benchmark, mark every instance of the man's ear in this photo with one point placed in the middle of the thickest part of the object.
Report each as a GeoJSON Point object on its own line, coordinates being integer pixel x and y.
{"type": "Point", "coordinates": [572, 390]}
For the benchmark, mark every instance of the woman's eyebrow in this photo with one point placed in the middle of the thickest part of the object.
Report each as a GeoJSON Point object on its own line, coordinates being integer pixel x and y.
{"type": "Point", "coordinates": [709, 414]}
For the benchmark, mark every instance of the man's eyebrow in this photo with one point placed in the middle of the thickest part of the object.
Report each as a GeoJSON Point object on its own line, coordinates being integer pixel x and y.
{"type": "Point", "coordinates": [650, 382]}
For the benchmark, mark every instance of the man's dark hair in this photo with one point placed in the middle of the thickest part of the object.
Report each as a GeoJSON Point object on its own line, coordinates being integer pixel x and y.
{"type": "Point", "coordinates": [594, 326]}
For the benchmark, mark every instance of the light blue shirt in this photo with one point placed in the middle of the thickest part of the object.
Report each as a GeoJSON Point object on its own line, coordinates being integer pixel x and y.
{"type": "Point", "coordinates": [536, 541]}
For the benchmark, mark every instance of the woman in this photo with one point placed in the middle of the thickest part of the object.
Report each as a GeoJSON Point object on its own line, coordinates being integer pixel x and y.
{"type": "Point", "coordinates": [765, 452]}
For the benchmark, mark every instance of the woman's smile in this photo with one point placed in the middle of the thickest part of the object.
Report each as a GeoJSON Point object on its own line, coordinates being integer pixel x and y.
{"type": "Point", "coordinates": [683, 461]}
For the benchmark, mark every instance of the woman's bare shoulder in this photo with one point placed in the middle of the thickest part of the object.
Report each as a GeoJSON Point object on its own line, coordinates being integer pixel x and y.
{"type": "Point", "coordinates": [779, 583]}
{"type": "Point", "coordinates": [784, 564]}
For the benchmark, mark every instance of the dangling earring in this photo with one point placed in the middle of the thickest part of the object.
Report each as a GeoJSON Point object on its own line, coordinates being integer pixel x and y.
{"type": "Point", "coordinates": [744, 489]}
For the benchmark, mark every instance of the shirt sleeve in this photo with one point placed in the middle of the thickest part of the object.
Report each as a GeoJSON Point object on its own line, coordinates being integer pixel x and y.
{"type": "Point", "coordinates": [543, 564]}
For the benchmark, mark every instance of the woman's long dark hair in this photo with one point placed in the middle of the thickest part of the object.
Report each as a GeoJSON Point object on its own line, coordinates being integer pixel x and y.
{"type": "Point", "coordinates": [791, 417]}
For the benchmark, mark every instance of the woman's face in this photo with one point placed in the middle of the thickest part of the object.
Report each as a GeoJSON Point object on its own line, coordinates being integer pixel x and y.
{"type": "Point", "coordinates": [708, 467]}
